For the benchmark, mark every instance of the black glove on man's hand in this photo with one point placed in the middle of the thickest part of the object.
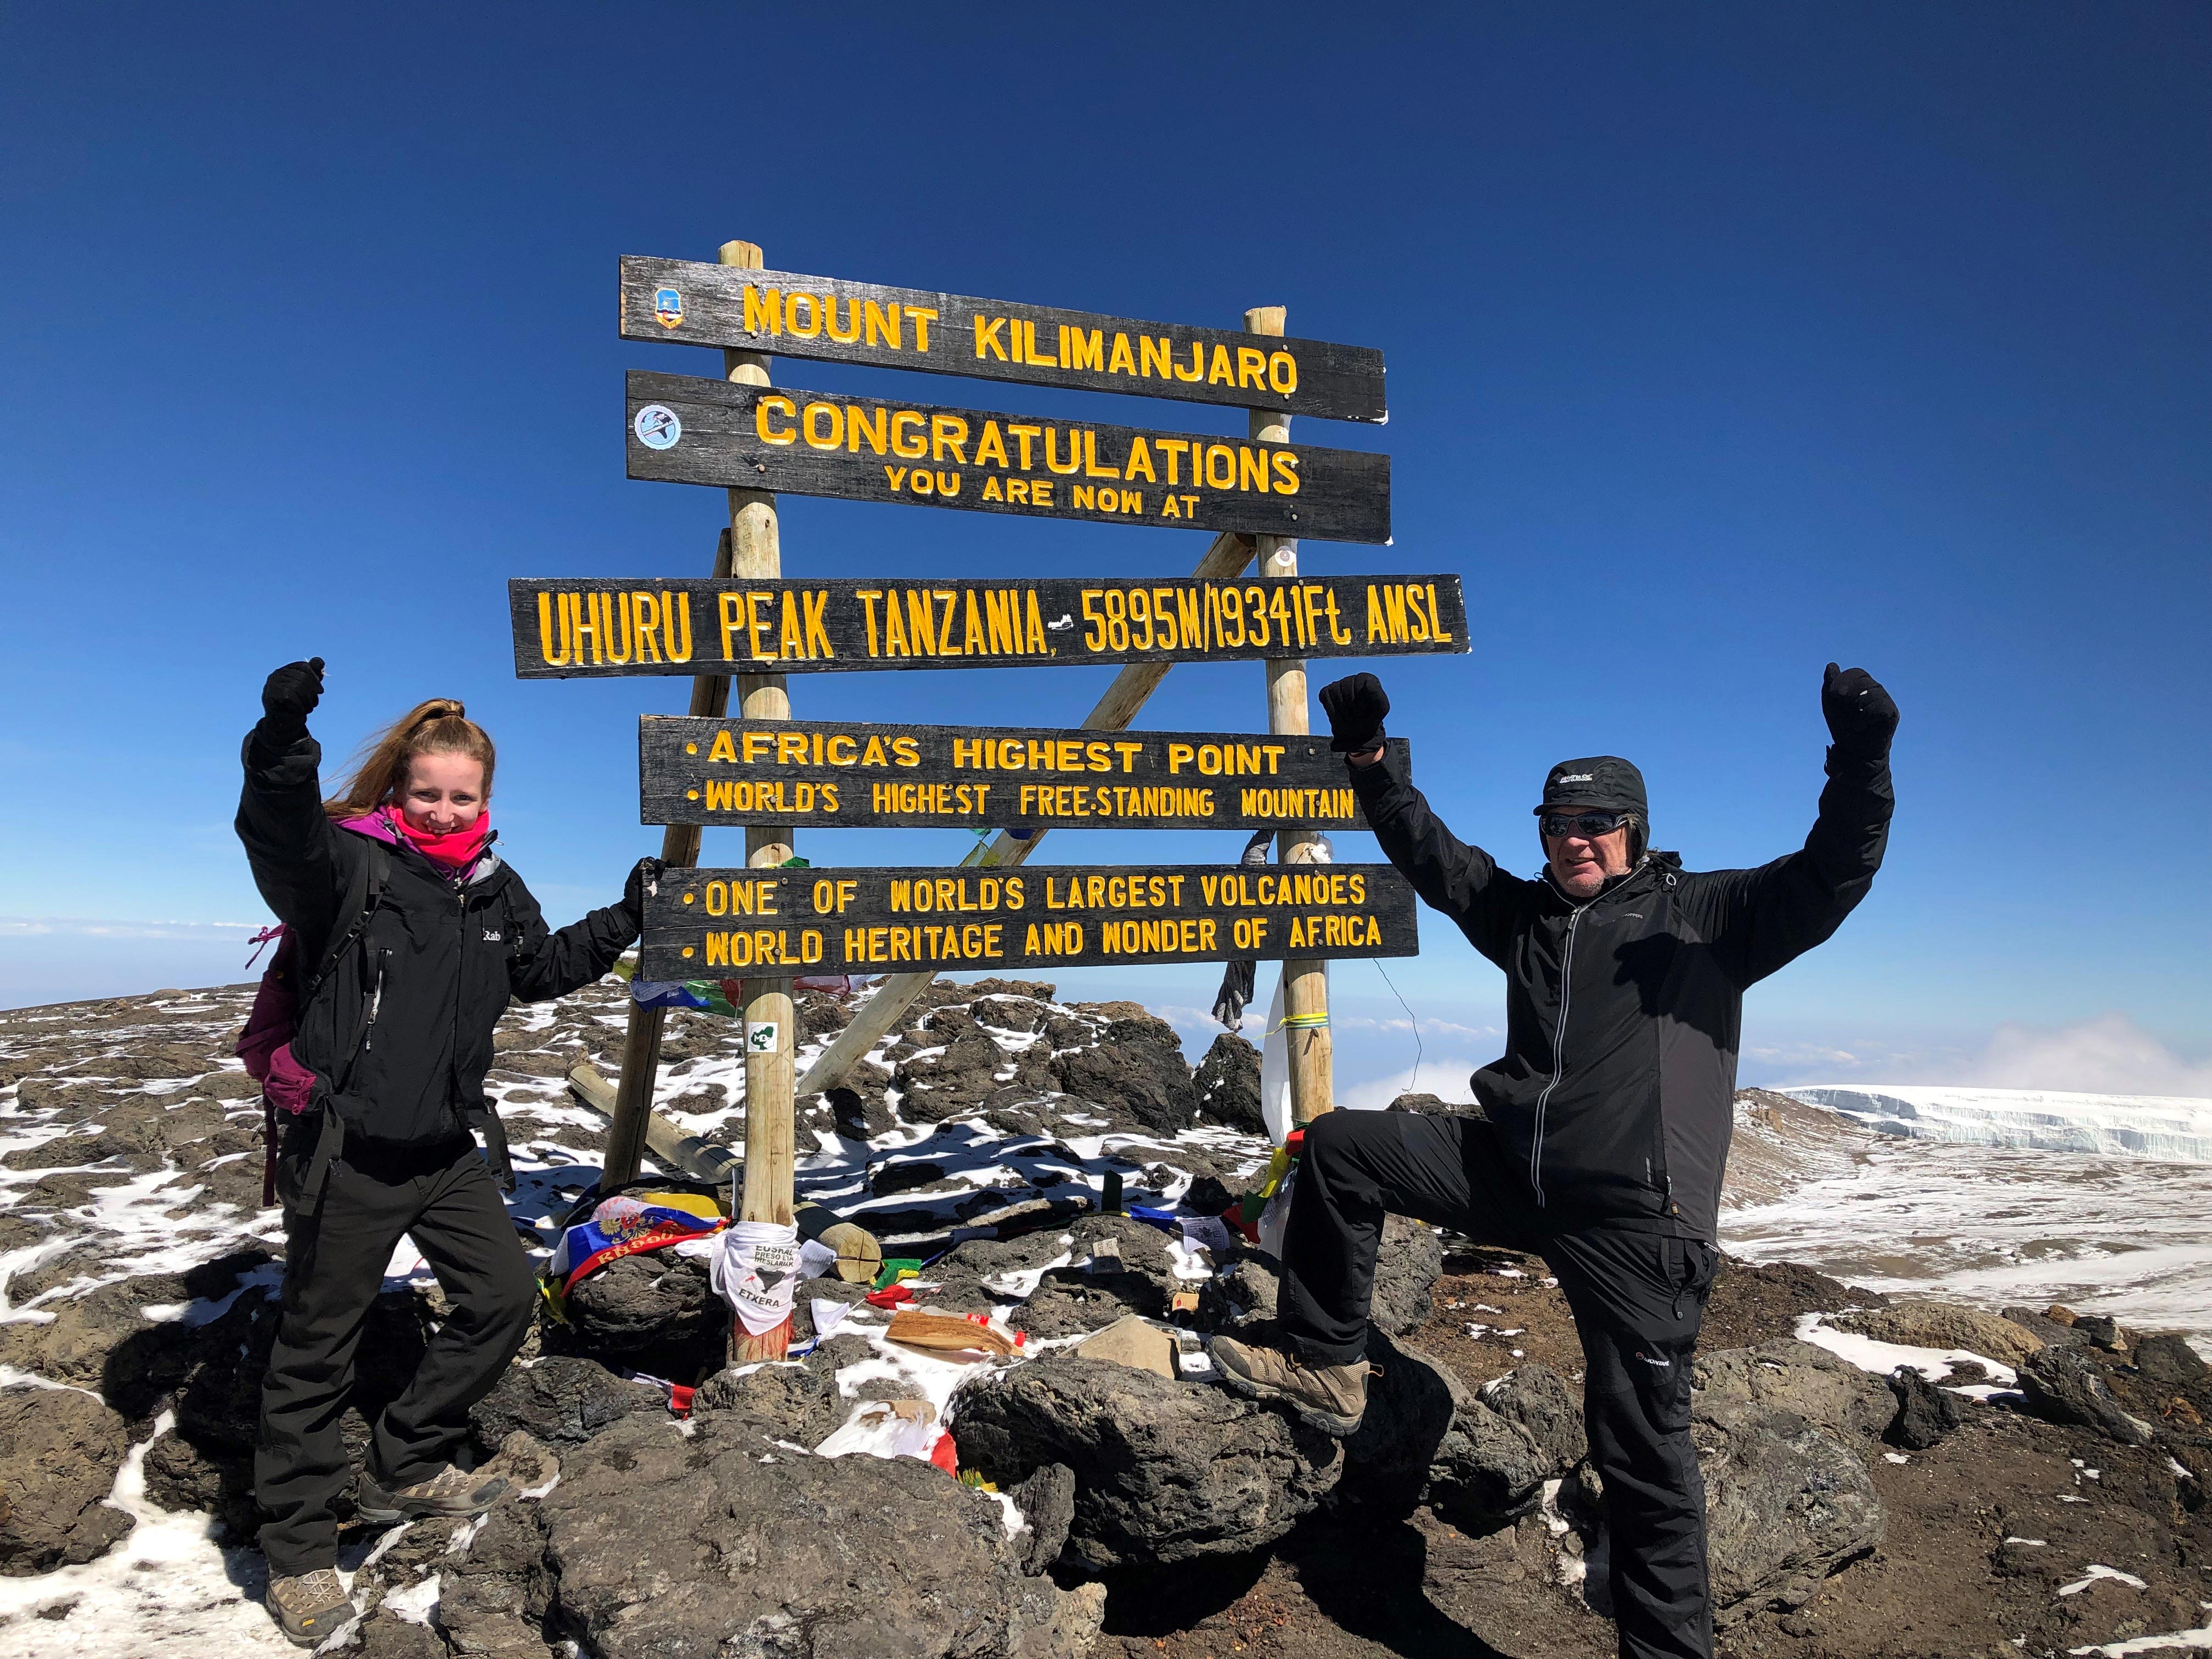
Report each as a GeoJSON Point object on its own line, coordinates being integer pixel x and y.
{"type": "Point", "coordinates": [646, 874]}
{"type": "Point", "coordinates": [290, 694]}
{"type": "Point", "coordinates": [1862, 717]}
{"type": "Point", "coordinates": [1355, 706]}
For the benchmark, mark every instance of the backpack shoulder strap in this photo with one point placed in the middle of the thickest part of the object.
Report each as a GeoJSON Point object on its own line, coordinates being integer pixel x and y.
{"type": "Point", "coordinates": [364, 892]}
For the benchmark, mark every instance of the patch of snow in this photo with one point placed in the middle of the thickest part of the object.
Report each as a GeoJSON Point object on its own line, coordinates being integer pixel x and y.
{"type": "Point", "coordinates": [416, 1603]}
{"type": "Point", "coordinates": [167, 1589]}
{"type": "Point", "coordinates": [2093, 1572]}
{"type": "Point", "coordinates": [1883, 1358]}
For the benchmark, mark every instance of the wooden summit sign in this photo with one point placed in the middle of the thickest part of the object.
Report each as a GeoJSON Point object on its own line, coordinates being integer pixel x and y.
{"type": "Point", "coordinates": [856, 775]}
{"type": "Point", "coordinates": [567, 626]}
{"type": "Point", "coordinates": [707, 924]}
{"type": "Point", "coordinates": [686, 430]}
{"type": "Point", "coordinates": [837, 321]}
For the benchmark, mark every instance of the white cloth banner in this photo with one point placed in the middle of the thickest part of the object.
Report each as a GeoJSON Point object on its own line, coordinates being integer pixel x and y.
{"type": "Point", "coordinates": [756, 1271]}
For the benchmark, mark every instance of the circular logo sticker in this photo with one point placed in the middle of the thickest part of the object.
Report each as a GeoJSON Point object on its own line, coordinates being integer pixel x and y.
{"type": "Point", "coordinates": [657, 427]}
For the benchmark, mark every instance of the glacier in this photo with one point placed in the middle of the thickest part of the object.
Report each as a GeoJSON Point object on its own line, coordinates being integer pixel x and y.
{"type": "Point", "coordinates": [2165, 1127]}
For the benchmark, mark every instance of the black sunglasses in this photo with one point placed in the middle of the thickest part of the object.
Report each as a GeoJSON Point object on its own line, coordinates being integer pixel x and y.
{"type": "Point", "coordinates": [1587, 824]}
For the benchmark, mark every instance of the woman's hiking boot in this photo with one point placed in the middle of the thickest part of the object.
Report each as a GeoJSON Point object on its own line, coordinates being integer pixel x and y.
{"type": "Point", "coordinates": [450, 1492]}
{"type": "Point", "coordinates": [1332, 1398]}
{"type": "Point", "coordinates": [309, 1607]}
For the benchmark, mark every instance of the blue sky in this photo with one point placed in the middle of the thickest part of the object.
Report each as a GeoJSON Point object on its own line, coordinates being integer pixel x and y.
{"type": "Point", "coordinates": [1721, 342]}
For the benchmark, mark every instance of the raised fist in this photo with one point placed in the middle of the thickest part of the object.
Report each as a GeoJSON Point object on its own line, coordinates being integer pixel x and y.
{"type": "Point", "coordinates": [1355, 706]}
{"type": "Point", "coordinates": [1862, 717]}
{"type": "Point", "coordinates": [290, 693]}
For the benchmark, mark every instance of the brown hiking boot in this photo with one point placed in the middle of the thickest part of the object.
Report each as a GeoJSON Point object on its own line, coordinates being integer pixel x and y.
{"type": "Point", "coordinates": [449, 1492]}
{"type": "Point", "coordinates": [1332, 1398]}
{"type": "Point", "coordinates": [308, 1608]}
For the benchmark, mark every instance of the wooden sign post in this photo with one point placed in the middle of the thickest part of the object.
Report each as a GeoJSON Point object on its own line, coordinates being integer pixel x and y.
{"type": "Point", "coordinates": [753, 928]}
{"type": "Point", "coordinates": [709, 924]}
{"type": "Point", "coordinates": [865, 775]}
{"type": "Point", "coordinates": [1306, 983]}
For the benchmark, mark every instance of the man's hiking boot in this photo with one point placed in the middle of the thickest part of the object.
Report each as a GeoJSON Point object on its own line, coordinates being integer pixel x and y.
{"type": "Point", "coordinates": [310, 1607]}
{"type": "Point", "coordinates": [1332, 1398]}
{"type": "Point", "coordinates": [449, 1492]}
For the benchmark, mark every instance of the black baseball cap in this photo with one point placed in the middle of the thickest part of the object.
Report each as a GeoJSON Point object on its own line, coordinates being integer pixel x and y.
{"type": "Point", "coordinates": [1606, 782]}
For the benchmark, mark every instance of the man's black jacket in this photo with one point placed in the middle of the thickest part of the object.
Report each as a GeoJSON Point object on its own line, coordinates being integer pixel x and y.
{"type": "Point", "coordinates": [400, 1032]}
{"type": "Point", "coordinates": [1615, 1092]}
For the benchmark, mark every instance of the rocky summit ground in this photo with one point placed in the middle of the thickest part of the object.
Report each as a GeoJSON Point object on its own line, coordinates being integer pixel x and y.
{"type": "Point", "coordinates": [2029, 1484]}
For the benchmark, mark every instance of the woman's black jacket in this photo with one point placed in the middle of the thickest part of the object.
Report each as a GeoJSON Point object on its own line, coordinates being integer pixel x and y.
{"type": "Point", "coordinates": [400, 1031]}
{"type": "Point", "coordinates": [1615, 1094]}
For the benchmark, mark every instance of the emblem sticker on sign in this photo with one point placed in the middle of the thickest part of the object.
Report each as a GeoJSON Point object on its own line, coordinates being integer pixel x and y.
{"type": "Point", "coordinates": [760, 1036]}
{"type": "Point", "coordinates": [668, 308]}
{"type": "Point", "coordinates": [657, 426]}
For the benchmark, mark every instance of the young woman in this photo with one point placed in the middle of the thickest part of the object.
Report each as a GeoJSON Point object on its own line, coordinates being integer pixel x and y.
{"type": "Point", "coordinates": [410, 935]}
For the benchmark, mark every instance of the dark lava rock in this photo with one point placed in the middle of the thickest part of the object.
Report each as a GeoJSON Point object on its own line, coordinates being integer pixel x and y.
{"type": "Point", "coordinates": [904, 1175]}
{"type": "Point", "coordinates": [2064, 1387]}
{"type": "Point", "coordinates": [561, 1400]}
{"type": "Point", "coordinates": [937, 1086]}
{"type": "Point", "coordinates": [1547, 1408]}
{"type": "Point", "coordinates": [2169, 1360]}
{"type": "Point", "coordinates": [2101, 1331]}
{"type": "Point", "coordinates": [2053, 1334]}
{"type": "Point", "coordinates": [1047, 1501]}
{"type": "Point", "coordinates": [1797, 1377]}
{"type": "Point", "coordinates": [655, 1312]}
{"type": "Point", "coordinates": [1434, 1104]}
{"type": "Point", "coordinates": [799, 1403]}
{"type": "Point", "coordinates": [1229, 1085]}
{"type": "Point", "coordinates": [1406, 1268]}
{"type": "Point", "coordinates": [658, 1543]}
{"type": "Point", "coordinates": [1240, 1300]}
{"type": "Point", "coordinates": [1787, 1504]}
{"type": "Point", "coordinates": [59, 1450]}
{"type": "Point", "coordinates": [1926, 1413]}
{"type": "Point", "coordinates": [1136, 1070]}
{"type": "Point", "coordinates": [1164, 1471]}
{"type": "Point", "coordinates": [1429, 1438]}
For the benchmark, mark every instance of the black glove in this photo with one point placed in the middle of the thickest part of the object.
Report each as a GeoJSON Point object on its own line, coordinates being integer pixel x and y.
{"type": "Point", "coordinates": [1861, 716]}
{"type": "Point", "coordinates": [1355, 707]}
{"type": "Point", "coordinates": [646, 874]}
{"type": "Point", "coordinates": [290, 694]}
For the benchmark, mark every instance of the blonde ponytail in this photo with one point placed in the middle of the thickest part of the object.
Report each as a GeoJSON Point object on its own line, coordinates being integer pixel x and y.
{"type": "Point", "coordinates": [440, 726]}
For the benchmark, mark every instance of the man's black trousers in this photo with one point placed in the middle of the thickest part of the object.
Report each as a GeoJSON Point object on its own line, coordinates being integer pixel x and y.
{"type": "Point", "coordinates": [1637, 1298]}
{"type": "Point", "coordinates": [335, 1254]}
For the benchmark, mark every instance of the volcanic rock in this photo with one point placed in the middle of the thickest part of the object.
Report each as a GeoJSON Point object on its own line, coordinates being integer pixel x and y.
{"type": "Point", "coordinates": [1164, 1471]}
{"type": "Point", "coordinates": [1945, 1326]}
{"type": "Point", "coordinates": [561, 1400]}
{"type": "Point", "coordinates": [1926, 1413]}
{"type": "Point", "coordinates": [1797, 1377]}
{"type": "Point", "coordinates": [1406, 1268]}
{"type": "Point", "coordinates": [59, 1450]}
{"type": "Point", "coordinates": [658, 1541]}
{"type": "Point", "coordinates": [1135, 1070]}
{"type": "Point", "coordinates": [656, 1311]}
{"type": "Point", "coordinates": [1787, 1504]}
{"type": "Point", "coordinates": [1228, 1082]}
{"type": "Point", "coordinates": [2064, 1387]}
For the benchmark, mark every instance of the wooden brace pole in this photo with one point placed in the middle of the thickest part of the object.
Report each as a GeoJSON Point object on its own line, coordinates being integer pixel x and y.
{"type": "Point", "coordinates": [756, 550]}
{"type": "Point", "coordinates": [1226, 557]}
{"type": "Point", "coordinates": [1305, 984]}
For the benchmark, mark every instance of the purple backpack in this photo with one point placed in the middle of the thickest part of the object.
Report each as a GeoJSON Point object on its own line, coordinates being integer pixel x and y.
{"type": "Point", "coordinates": [265, 1044]}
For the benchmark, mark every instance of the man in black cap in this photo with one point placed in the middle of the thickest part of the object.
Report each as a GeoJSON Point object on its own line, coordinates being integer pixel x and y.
{"type": "Point", "coordinates": [1605, 1124]}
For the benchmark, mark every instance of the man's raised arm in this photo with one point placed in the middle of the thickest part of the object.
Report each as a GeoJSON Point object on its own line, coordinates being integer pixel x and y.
{"type": "Point", "coordinates": [1463, 882]}
{"type": "Point", "coordinates": [1779, 911]}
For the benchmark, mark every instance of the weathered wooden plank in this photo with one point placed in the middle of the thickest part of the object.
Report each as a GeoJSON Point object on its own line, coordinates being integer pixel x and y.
{"type": "Point", "coordinates": [850, 775]}
{"type": "Point", "coordinates": [565, 627]}
{"type": "Point", "coordinates": [832, 320]}
{"type": "Point", "coordinates": [685, 430]}
{"type": "Point", "coordinates": [707, 924]}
